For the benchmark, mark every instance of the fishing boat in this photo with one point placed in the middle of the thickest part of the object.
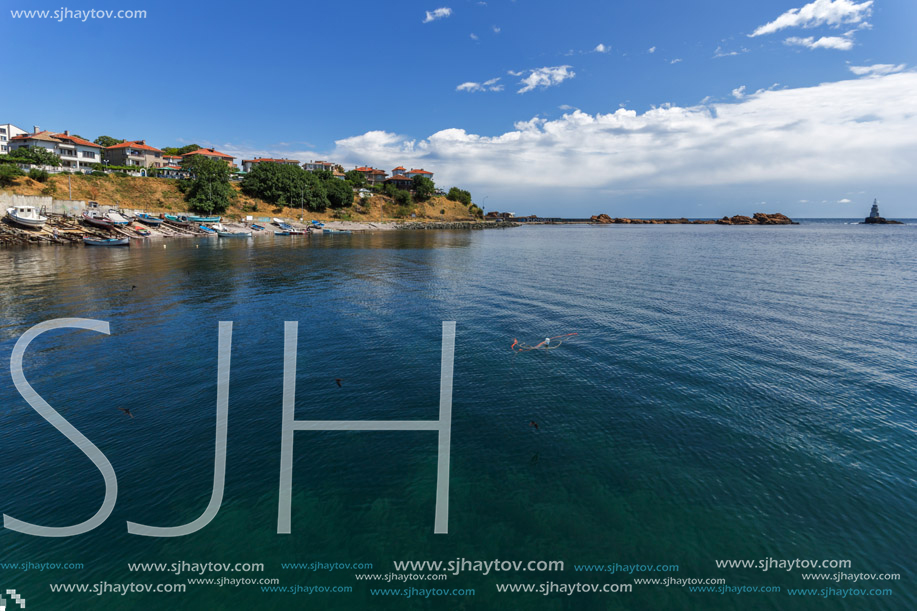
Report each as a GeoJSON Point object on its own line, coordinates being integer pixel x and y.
{"type": "Point", "coordinates": [203, 219]}
{"type": "Point", "coordinates": [142, 230]}
{"type": "Point", "coordinates": [337, 231]}
{"type": "Point", "coordinates": [94, 217]}
{"type": "Point", "coordinates": [27, 216]}
{"type": "Point", "coordinates": [277, 221]}
{"type": "Point", "coordinates": [294, 231]}
{"type": "Point", "coordinates": [149, 219]}
{"type": "Point", "coordinates": [224, 232]}
{"type": "Point", "coordinates": [116, 217]}
{"type": "Point", "coordinates": [282, 233]}
{"type": "Point", "coordinates": [283, 226]}
{"type": "Point", "coordinates": [317, 223]}
{"type": "Point", "coordinates": [180, 220]}
{"type": "Point", "coordinates": [88, 241]}
{"type": "Point", "coordinates": [208, 230]}
{"type": "Point", "coordinates": [257, 227]}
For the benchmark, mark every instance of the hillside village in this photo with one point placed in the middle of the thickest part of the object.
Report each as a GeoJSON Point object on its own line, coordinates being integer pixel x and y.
{"type": "Point", "coordinates": [45, 153]}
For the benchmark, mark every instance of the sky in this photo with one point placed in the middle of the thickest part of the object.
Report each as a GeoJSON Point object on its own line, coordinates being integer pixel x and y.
{"type": "Point", "coordinates": [656, 108]}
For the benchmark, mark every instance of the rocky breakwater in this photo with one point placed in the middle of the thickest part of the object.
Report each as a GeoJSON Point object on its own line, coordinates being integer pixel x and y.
{"type": "Point", "coordinates": [759, 219]}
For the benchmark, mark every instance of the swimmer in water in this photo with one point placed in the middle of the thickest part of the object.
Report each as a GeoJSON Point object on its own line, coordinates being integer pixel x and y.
{"type": "Point", "coordinates": [547, 342]}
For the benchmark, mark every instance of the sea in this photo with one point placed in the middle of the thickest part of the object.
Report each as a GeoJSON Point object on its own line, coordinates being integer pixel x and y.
{"type": "Point", "coordinates": [712, 394]}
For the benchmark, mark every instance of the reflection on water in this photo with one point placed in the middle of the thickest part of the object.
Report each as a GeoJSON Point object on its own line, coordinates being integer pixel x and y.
{"type": "Point", "coordinates": [737, 392]}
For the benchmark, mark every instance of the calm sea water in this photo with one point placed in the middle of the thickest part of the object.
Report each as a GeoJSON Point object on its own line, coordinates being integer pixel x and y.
{"type": "Point", "coordinates": [732, 393]}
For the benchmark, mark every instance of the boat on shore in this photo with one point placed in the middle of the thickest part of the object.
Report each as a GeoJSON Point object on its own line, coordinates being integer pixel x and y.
{"type": "Point", "coordinates": [203, 219]}
{"type": "Point", "coordinates": [224, 232]}
{"type": "Point", "coordinates": [149, 219]}
{"type": "Point", "coordinates": [116, 217]}
{"type": "Point", "coordinates": [88, 241]}
{"type": "Point", "coordinates": [27, 216]}
{"type": "Point", "coordinates": [142, 230]}
{"type": "Point", "coordinates": [94, 217]}
{"type": "Point", "coordinates": [208, 230]}
{"type": "Point", "coordinates": [257, 227]}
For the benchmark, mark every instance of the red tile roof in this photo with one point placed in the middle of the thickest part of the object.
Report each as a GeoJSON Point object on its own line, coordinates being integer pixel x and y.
{"type": "Point", "coordinates": [209, 153]}
{"type": "Point", "coordinates": [367, 170]}
{"type": "Point", "coordinates": [398, 168]}
{"type": "Point", "coordinates": [135, 144]}
{"type": "Point", "coordinates": [399, 177]}
{"type": "Point", "coordinates": [75, 140]}
{"type": "Point", "coordinates": [421, 172]}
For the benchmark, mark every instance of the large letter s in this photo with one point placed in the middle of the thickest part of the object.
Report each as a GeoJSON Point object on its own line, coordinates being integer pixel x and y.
{"type": "Point", "coordinates": [60, 423]}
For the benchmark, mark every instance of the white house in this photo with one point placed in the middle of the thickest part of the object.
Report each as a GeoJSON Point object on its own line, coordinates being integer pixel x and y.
{"type": "Point", "coordinates": [7, 131]}
{"type": "Point", "coordinates": [76, 154]}
{"type": "Point", "coordinates": [318, 166]}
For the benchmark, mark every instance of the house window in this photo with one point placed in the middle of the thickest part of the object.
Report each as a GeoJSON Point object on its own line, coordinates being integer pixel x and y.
{"type": "Point", "coordinates": [88, 155]}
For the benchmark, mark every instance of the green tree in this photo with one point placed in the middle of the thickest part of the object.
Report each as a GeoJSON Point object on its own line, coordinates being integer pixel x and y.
{"type": "Point", "coordinates": [35, 156]}
{"type": "Point", "coordinates": [8, 174]}
{"type": "Point", "coordinates": [107, 141]}
{"type": "Point", "coordinates": [339, 193]}
{"type": "Point", "coordinates": [178, 152]}
{"type": "Point", "coordinates": [459, 195]}
{"type": "Point", "coordinates": [423, 187]}
{"type": "Point", "coordinates": [208, 190]}
{"type": "Point", "coordinates": [356, 179]}
{"type": "Point", "coordinates": [285, 184]}
{"type": "Point", "coordinates": [38, 175]}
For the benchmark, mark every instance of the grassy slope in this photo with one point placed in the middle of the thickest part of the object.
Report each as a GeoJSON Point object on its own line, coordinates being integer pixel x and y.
{"type": "Point", "coordinates": [162, 195]}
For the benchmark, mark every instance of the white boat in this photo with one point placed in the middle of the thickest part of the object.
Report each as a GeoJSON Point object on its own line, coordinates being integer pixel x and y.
{"type": "Point", "coordinates": [116, 218]}
{"type": "Point", "coordinates": [27, 216]}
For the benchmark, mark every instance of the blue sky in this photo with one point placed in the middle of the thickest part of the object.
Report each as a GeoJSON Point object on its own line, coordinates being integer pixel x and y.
{"type": "Point", "coordinates": [654, 108]}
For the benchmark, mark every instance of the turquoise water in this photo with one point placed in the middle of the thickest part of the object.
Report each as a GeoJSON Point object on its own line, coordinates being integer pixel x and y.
{"type": "Point", "coordinates": [732, 393]}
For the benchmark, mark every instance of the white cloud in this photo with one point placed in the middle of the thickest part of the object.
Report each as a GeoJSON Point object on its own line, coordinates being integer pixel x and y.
{"type": "Point", "coordinates": [851, 132]}
{"type": "Point", "coordinates": [601, 48]}
{"type": "Point", "coordinates": [676, 60]}
{"type": "Point", "coordinates": [825, 42]}
{"type": "Point", "coordinates": [651, 50]}
{"type": "Point", "coordinates": [473, 36]}
{"type": "Point", "coordinates": [472, 87]}
{"type": "Point", "coordinates": [720, 52]}
{"type": "Point", "coordinates": [817, 13]}
{"type": "Point", "coordinates": [844, 201]}
{"type": "Point", "coordinates": [440, 13]}
{"type": "Point", "coordinates": [739, 92]}
{"type": "Point", "coordinates": [495, 29]}
{"type": "Point", "coordinates": [544, 77]}
{"type": "Point", "coordinates": [877, 69]}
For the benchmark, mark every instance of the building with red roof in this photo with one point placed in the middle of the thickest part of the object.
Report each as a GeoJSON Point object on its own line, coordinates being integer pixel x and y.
{"type": "Point", "coordinates": [213, 154]}
{"type": "Point", "coordinates": [76, 154]}
{"type": "Point", "coordinates": [134, 153]}
{"type": "Point", "coordinates": [372, 175]}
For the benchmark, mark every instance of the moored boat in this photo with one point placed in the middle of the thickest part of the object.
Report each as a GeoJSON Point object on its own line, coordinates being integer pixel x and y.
{"type": "Point", "coordinates": [27, 216]}
{"type": "Point", "coordinates": [282, 233]}
{"type": "Point", "coordinates": [88, 241]}
{"type": "Point", "coordinates": [208, 230]}
{"type": "Point", "coordinates": [234, 234]}
{"type": "Point", "coordinates": [338, 231]}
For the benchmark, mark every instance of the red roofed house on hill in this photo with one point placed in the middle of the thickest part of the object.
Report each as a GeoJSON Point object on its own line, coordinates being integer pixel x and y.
{"type": "Point", "coordinates": [213, 154]}
{"type": "Point", "coordinates": [134, 153]}
{"type": "Point", "coordinates": [76, 154]}
{"type": "Point", "coordinates": [373, 176]}
{"type": "Point", "coordinates": [420, 172]}
{"type": "Point", "coordinates": [248, 164]}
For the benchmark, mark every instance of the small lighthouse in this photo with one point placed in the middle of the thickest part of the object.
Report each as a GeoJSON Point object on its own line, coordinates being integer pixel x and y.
{"type": "Point", "coordinates": [874, 213]}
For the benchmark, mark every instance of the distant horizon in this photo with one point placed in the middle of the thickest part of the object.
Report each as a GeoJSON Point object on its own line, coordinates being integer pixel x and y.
{"type": "Point", "coordinates": [652, 110]}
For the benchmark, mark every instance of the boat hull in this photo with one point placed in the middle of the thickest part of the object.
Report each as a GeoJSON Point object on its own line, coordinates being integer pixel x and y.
{"type": "Point", "coordinates": [152, 221]}
{"type": "Point", "coordinates": [106, 242]}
